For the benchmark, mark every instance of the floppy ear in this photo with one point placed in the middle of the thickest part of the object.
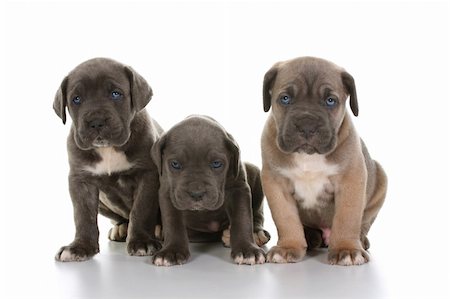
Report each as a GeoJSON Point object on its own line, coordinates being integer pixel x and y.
{"type": "Point", "coordinates": [60, 102]}
{"type": "Point", "coordinates": [235, 155]}
{"type": "Point", "coordinates": [156, 152]}
{"type": "Point", "coordinates": [269, 80]}
{"type": "Point", "coordinates": [141, 92]}
{"type": "Point", "coordinates": [349, 84]}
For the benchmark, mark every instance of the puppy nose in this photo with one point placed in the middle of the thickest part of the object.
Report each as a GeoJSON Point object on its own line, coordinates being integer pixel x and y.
{"type": "Point", "coordinates": [197, 195]}
{"type": "Point", "coordinates": [307, 130]}
{"type": "Point", "coordinates": [96, 123]}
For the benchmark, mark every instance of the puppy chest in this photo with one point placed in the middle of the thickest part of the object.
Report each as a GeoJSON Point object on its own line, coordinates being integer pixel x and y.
{"type": "Point", "coordinates": [310, 179]}
{"type": "Point", "coordinates": [111, 161]}
{"type": "Point", "coordinates": [310, 191]}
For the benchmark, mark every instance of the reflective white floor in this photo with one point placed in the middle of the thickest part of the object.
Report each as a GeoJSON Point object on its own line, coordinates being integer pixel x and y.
{"type": "Point", "coordinates": [211, 274]}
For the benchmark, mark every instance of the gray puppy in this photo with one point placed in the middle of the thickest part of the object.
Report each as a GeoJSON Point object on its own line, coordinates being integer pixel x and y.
{"type": "Point", "coordinates": [111, 171]}
{"type": "Point", "coordinates": [205, 188]}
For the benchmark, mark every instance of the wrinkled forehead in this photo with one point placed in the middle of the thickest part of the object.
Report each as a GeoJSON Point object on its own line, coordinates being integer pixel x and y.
{"type": "Point", "coordinates": [309, 78]}
{"type": "Point", "coordinates": [93, 75]}
{"type": "Point", "coordinates": [195, 141]}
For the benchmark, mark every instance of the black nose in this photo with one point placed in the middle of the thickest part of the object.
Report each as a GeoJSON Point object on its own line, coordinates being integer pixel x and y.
{"type": "Point", "coordinates": [307, 130]}
{"type": "Point", "coordinates": [197, 195]}
{"type": "Point", "coordinates": [97, 123]}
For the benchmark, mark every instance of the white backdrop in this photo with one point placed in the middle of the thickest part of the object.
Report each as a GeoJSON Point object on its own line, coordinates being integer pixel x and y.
{"type": "Point", "coordinates": [210, 58]}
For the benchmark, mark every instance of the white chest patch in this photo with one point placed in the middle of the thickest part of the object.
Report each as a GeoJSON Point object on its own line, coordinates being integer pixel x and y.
{"type": "Point", "coordinates": [112, 161]}
{"type": "Point", "coordinates": [310, 176]}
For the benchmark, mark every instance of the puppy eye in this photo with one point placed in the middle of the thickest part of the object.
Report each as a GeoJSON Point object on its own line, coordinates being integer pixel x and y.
{"type": "Point", "coordinates": [115, 95]}
{"type": "Point", "coordinates": [216, 164]}
{"type": "Point", "coordinates": [175, 164]}
{"type": "Point", "coordinates": [76, 100]}
{"type": "Point", "coordinates": [285, 99]}
{"type": "Point", "coordinates": [330, 102]}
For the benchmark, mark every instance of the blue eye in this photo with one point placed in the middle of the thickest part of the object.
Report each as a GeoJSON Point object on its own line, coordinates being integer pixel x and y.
{"type": "Point", "coordinates": [175, 164]}
{"type": "Point", "coordinates": [216, 164]}
{"type": "Point", "coordinates": [285, 100]}
{"type": "Point", "coordinates": [76, 100]}
{"type": "Point", "coordinates": [330, 102]}
{"type": "Point", "coordinates": [115, 95]}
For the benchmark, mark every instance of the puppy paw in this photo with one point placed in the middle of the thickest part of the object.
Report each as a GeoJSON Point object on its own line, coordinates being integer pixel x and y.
{"type": "Point", "coordinates": [348, 257]}
{"type": "Point", "coordinates": [248, 256]}
{"type": "Point", "coordinates": [170, 257]}
{"type": "Point", "coordinates": [313, 238]}
{"type": "Point", "coordinates": [365, 242]}
{"type": "Point", "coordinates": [76, 253]}
{"type": "Point", "coordinates": [226, 237]}
{"type": "Point", "coordinates": [143, 248]}
{"type": "Point", "coordinates": [261, 237]}
{"type": "Point", "coordinates": [281, 255]}
{"type": "Point", "coordinates": [118, 232]}
{"type": "Point", "coordinates": [159, 232]}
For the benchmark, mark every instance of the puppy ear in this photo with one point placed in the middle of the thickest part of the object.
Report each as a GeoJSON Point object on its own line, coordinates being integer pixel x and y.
{"type": "Point", "coordinates": [60, 102]}
{"type": "Point", "coordinates": [349, 84]}
{"type": "Point", "coordinates": [156, 152]}
{"type": "Point", "coordinates": [269, 80]}
{"type": "Point", "coordinates": [141, 92]}
{"type": "Point", "coordinates": [235, 155]}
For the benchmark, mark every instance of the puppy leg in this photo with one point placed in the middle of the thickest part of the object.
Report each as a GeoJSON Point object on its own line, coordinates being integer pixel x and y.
{"type": "Point", "coordinates": [345, 246]}
{"type": "Point", "coordinates": [85, 205]}
{"type": "Point", "coordinates": [144, 216]}
{"type": "Point", "coordinates": [291, 246]}
{"type": "Point", "coordinates": [374, 204]}
{"type": "Point", "coordinates": [260, 235]}
{"type": "Point", "coordinates": [176, 243]}
{"type": "Point", "coordinates": [243, 247]}
{"type": "Point", "coordinates": [119, 230]}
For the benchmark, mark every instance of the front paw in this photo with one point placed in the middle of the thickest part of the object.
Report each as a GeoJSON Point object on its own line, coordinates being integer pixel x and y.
{"type": "Point", "coordinates": [279, 255]}
{"type": "Point", "coordinates": [347, 257]}
{"type": "Point", "coordinates": [143, 247]}
{"type": "Point", "coordinates": [76, 252]}
{"type": "Point", "coordinates": [249, 255]}
{"type": "Point", "coordinates": [171, 257]}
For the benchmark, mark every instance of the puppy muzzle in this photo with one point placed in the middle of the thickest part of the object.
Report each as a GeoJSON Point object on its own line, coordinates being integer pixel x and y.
{"type": "Point", "coordinates": [307, 134]}
{"type": "Point", "coordinates": [101, 130]}
{"type": "Point", "coordinates": [198, 199]}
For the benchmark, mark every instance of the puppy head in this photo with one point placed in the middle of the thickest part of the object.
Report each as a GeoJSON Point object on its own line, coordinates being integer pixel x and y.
{"type": "Point", "coordinates": [308, 96]}
{"type": "Point", "coordinates": [195, 159]}
{"type": "Point", "coordinates": [102, 97]}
